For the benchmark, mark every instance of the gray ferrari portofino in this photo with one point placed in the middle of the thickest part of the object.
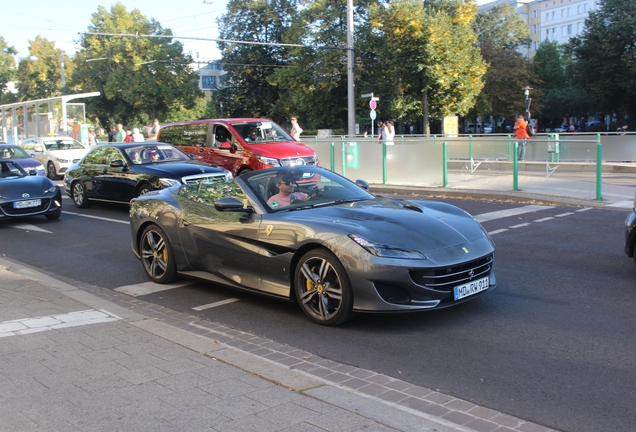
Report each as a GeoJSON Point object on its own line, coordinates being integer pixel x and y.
{"type": "Point", "coordinates": [306, 234]}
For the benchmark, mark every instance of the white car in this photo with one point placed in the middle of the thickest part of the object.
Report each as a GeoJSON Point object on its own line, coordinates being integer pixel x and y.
{"type": "Point", "coordinates": [57, 154]}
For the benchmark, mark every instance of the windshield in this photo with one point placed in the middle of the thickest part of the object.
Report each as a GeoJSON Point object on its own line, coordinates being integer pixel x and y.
{"type": "Point", "coordinates": [63, 144]}
{"type": "Point", "coordinates": [149, 154]}
{"type": "Point", "coordinates": [303, 187]}
{"type": "Point", "coordinates": [261, 132]}
{"type": "Point", "coordinates": [9, 170]}
{"type": "Point", "coordinates": [7, 152]}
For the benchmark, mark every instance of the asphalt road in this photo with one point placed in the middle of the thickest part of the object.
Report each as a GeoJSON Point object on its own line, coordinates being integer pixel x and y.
{"type": "Point", "coordinates": [553, 344]}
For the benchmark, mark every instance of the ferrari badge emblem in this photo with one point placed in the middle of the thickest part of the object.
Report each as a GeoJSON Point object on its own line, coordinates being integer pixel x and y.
{"type": "Point", "coordinates": [269, 229]}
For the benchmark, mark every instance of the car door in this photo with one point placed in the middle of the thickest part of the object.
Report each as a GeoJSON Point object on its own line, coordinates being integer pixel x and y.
{"type": "Point", "coordinates": [220, 246]}
{"type": "Point", "coordinates": [116, 183]}
{"type": "Point", "coordinates": [225, 149]}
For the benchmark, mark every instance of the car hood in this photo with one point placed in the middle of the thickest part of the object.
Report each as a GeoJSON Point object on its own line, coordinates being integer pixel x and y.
{"type": "Point", "coordinates": [282, 150]}
{"type": "Point", "coordinates": [178, 169]}
{"type": "Point", "coordinates": [67, 154]}
{"type": "Point", "coordinates": [14, 188]}
{"type": "Point", "coordinates": [434, 229]}
{"type": "Point", "coordinates": [29, 163]}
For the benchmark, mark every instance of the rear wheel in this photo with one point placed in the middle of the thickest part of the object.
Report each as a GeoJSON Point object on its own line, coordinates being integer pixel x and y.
{"type": "Point", "coordinates": [50, 171]}
{"type": "Point", "coordinates": [78, 192]}
{"type": "Point", "coordinates": [156, 255]}
{"type": "Point", "coordinates": [322, 288]}
{"type": "Point", "coordinates": [143, 188]}
{"type": "Point", "coordinates": [243, 171]}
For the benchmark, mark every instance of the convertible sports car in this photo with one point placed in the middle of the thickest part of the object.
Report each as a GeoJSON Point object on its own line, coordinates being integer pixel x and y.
{"type": "Point", "coordinates": [322, 240]}
{"type": "Point", "coordinates": [22, 194]}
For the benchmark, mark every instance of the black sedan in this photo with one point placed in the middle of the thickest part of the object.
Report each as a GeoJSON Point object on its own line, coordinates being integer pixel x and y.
{"type": "Point", "coordinates": [120, 172]}
{"type": "Point", "coordinates": [322, 240]}
{"type": "Point", "coordinates": [27, 194]}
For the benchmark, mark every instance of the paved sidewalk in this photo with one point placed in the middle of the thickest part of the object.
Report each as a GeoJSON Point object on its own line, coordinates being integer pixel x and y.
{"type": "Point", "coordinates": [89, 359]}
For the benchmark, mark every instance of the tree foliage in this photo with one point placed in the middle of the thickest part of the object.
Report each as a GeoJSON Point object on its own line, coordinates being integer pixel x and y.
{"type": "Point", "coordinates": [605, 56]}
{"type": "Point", "coordinates": [39, 76]}
{"type": "Point", "coordinates": [429, 56]}
{"type": "Point", "coordinates": [7, 65]}
{"type": "Point", "coordinates": [247, 91]}
{"type": "Point", "coordinates": [138, 78]}
{"type": "Point", "coordinates": [503, 27]}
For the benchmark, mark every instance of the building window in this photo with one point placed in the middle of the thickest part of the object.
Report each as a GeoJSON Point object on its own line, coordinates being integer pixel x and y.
{"type": "Point", "coordinates": [579, 27]}
{"type": "Point", "coordinates": [552, 14]}
{"type": "Point", "coordinates": [208, 82]}
{"type": "Point", "coordinates": [569, 29]}
{"type": "Point", "coordinates": [562, 13]}
{"type": "Point", "coordinates": [569, 11]}
{"type": "Point", "coordinates": [585, 7]}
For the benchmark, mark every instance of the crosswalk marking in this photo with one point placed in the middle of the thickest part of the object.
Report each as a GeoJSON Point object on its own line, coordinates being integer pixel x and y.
{"type": "Point", "coordinates": [515, 211]}
{"type": "Point", "coordinates": [146, 288]}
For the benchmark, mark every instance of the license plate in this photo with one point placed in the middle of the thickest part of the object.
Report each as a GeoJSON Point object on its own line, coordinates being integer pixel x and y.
{"type": "Point", "coordinates": [470, 288]}
{"type": "Point", "coordinates": [27, 203]}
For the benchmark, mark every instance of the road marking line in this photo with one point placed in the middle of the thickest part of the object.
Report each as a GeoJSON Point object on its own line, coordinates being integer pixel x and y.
{"type": "Point", "coordinates": [564, 214]}
{"type": "Point", "coordinates": [544, 219]}
{"type": "Point", "coordinates": [497, 231]}
{"type": "Point", "coordinates": [583, 209]}
{"type": "Point", "coordinates": [30, 227]}
{"type": "Point", "coordinates": [96, 217]}
{"type": "Point", "coordinates": [146, 288]}
{"type": "Point", "coordinates": [622, 204]}
{"type": "Point", "coordinates": [215, 304]}
{"type": "Point", "coordinates": [520, 225]}
{"type": "Point", "coordinates": [53, 322]}
{"type": "Point", "coordinates": [510, 212]}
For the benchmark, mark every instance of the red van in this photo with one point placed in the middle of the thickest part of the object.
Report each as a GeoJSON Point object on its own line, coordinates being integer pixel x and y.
{"type": "Point", "coordinates": [239, 145]}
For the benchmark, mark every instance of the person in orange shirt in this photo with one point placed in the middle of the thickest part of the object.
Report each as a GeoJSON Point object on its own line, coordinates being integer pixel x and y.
{"type": "Point", "coordinates": [521, 133]}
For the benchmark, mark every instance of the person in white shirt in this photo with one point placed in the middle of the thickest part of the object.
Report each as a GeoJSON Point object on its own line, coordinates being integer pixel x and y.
{"type": "Point", "coordinates": [296, 130]}
{"type": "Point", "coordinates": [137, 137]}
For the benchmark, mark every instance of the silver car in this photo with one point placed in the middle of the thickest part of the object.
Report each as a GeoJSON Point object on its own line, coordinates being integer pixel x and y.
{"type": "Point", "coordinates": [57, 154]}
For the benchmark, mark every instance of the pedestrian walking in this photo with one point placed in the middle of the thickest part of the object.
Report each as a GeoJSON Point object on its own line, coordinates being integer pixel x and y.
{"type": "Point", "coordinates": [296, 130]}
{"type": "Point", "coordinates": [121, 133]}
{"type": "Point", "coordinates": [389, 132]}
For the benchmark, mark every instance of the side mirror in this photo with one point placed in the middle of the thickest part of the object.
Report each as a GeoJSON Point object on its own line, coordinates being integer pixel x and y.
{"type": "Point", "coordinates": [363, 184]}
{"type": "Point", "coordinates": [117, 164]}
{"type": "Point", "coordinates": [38, 149]}
{"type": "Point", "coordinates": [232, 205]}
{"type": "Point", "coordinates": [32, 172]}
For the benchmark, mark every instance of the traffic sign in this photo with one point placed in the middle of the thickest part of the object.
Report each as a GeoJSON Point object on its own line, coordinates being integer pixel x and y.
{"type": "Point", "coordinates": [367, 95]}
{"type": "Point", "coordinates": [372, 114]}
{"type": "Point", "coordinates": [373, 104]}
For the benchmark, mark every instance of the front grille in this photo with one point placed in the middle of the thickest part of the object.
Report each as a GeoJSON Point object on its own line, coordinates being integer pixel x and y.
{"type": "Point", "coordinates": [205, 178]}
{"type": "Point", "coordinates": [7, 208]}
{"type": "Point", "coordinates": [445, 278]}
{"type": "Point", "coordinates": [304, 160]}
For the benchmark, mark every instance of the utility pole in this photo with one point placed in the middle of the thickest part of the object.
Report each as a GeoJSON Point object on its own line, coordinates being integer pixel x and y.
{"type": "Point", "coordinates": [351, 99]}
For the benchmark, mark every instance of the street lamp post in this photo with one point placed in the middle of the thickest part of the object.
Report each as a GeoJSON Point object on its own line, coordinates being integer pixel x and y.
{"type": "Point", "coordinates": [526, 92]}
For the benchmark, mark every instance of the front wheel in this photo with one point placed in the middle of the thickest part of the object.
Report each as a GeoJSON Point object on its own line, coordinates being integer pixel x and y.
{"type": "Point", "coordinates": [78, 192]}
{"type": "Point", "coordinates": [322, 288]}
{"type": "Point", "coordinates": [50, 171]}
{"type": "Point", "coordinates": [156, 255]}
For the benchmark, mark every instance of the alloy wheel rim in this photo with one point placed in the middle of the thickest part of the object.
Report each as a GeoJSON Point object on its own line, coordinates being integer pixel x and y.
{"type": "Point", "coordinates": [154, 254]}
{"type": "Point", "coordinates": [78, 195]}
{"type": "Point", "coordinates": [322, 294]}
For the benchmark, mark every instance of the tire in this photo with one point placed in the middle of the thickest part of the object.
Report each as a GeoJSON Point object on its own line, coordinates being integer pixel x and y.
{"type": "Point", "coordinates": [143, 188]}
{"type": "Point", "coordinates": [51, 173]}
{"type": "Point", "coordinates": [53, 216]}
{"type": "Point", "coordinates": [243, 171]}
{"type": "Point", "coordinates": [156, 255]}
{"type": "Point", "coordinates": [78, 193]}
{"type": "Point", "coordinates": [322, 288]}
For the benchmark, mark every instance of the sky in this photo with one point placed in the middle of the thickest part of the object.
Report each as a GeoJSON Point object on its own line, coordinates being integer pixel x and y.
{"type": "Point", "coordinates": [61, 21]}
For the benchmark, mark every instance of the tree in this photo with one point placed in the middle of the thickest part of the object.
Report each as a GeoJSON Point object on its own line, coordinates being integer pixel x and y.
{"type": "Point", "coordinates": [139, 78]}
{"type": "Point", "coordinates": [7, 66]}
{"type": "Point", "coordinates": [247, 91]}
{"type": "Point", "coordinates": [39, 76]}
{"type": "Point", "coordinates": [430, 57]}
{"type": "Point", "coordinates": [549, 65]}
{"type": "Point", "coordinates": [605, 56]}
{"type": "Point", "coordinates": [501, 32]}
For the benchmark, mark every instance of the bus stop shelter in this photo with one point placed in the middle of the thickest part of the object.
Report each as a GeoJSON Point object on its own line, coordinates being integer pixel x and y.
{"type": "Point", "coordinates": [22, 120]}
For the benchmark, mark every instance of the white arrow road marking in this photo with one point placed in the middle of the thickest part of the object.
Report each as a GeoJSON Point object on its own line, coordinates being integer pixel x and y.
{"type": "Point", "coordinates": [29, 227]}
{"type": "Point", "coordinates": [146, 288]}
{"type": "Point", "coordinates": [215, 304]}
{"type": "Point", "coordinates": [52, 322]}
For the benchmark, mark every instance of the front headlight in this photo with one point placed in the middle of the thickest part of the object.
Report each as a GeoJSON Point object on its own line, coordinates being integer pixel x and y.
{"type": "Point", "coordinates": [51, 190]}
{"type": "Point", "coordinates": [268, 161]}
{"type": "Point", "coordinates": [166, 182]}
{"type": "Point", "coordinates": [63, 160]}
{"type": "Point", "coordinates": [385, 251]}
